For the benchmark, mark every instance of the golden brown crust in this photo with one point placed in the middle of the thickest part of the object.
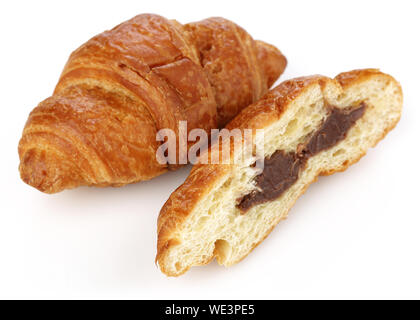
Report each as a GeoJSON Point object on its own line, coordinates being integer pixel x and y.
{"type": "Point", "coordinates": [234, 64]}
{"type": "Point", "coordinates": [124, 85]}
{"type": "Point", "coordinates": [272, 105]}
{"type": "Point", "coordinates": [258, 115]}
{"type": "Point", "coordinates": [356, 76]}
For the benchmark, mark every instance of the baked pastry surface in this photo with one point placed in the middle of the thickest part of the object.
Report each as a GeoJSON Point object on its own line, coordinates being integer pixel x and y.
{"type": "Point", "coordinates": [122, 86]}
{"type": "Point", "coordinates": [312, 126]}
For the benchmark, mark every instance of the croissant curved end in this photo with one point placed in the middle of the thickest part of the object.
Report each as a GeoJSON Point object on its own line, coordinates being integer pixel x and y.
{"type": "Point", "coordinates": [272, 61]}
{"type": "Point", "coordinates": [41, 170]}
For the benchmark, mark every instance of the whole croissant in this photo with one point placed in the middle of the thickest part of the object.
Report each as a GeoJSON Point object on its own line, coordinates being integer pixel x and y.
{"type": "Point", "coordinates": [124, 85]}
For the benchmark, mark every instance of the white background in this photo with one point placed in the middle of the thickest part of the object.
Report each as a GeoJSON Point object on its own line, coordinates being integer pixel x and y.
{"type": "Point", "coordinates": [352, 235]}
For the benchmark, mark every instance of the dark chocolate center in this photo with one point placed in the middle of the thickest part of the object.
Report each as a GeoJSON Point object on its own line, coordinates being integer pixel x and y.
{"type": "Point", "coordinates": [282, 169]}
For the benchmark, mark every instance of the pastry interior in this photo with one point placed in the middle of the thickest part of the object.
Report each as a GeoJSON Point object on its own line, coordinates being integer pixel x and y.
{"type": "Point", "coordinates": [322, 131]}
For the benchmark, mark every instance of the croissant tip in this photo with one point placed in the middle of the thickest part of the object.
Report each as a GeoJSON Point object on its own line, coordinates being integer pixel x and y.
{"type": "Point", "coordinates": [42, 173]}
{"type": "Point", "coordinates": [272, 60]}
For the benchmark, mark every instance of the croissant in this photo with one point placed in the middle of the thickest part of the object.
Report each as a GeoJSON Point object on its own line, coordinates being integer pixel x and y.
{"type": "Point", "coordinates": [122, 86]}
{"type": "Point", "coordinates": [312, 126]}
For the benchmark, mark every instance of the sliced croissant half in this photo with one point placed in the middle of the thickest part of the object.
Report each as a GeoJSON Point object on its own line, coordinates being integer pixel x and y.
{"type": "Point", "coordinates": [312, 126]}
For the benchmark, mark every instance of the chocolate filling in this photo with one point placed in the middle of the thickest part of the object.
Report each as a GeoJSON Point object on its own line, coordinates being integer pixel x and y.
{"type": "Point", "coordinates": [282, 169]}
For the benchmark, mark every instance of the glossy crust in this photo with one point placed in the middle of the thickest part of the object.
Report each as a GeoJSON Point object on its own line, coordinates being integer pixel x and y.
{"type": "Point", "coordinates": [124, 85]}
{"type": "Point", "coordinates": [259, 115]}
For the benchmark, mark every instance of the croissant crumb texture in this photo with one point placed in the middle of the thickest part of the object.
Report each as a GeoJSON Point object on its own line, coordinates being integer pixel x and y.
{"type": "Point", "coordinates": [205, 218]}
